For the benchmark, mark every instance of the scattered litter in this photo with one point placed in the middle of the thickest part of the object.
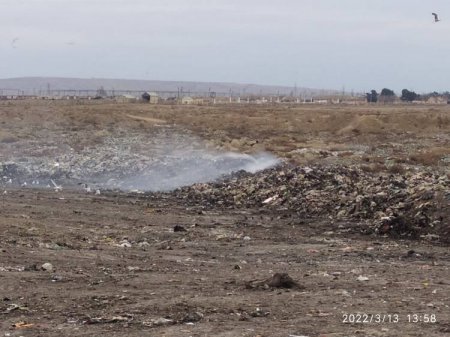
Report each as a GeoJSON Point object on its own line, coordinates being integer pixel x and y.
{"type": "Point", "coordinates": [57, 278]}
{"type": "Point", "coordinates": [57, 187]}
{"type": "Point", "coordinates": [143, 244]}
{"type": "Point", "coordinates": [158, 322]}
{"type": "Point", "coordinates": [22, 325]}
{"type": "Point", "coordinates": [362, 278]}
{"type": "Point", "coordinates": [268, 200]}
{"type": "Point", "coordinates": [9, 268]}
{"type": "Point", "coordinates": [13, 307]}
{"type": "Point", "coordinates": [106, 320]}
{"type": "Point", "coordinates": [192, 317]}
{"type": "Point", "coordinates": [259, 313]}
{"type": "Point", "coordinates": [179, 228]}
{"type": "Point", "coordinates": [125, 244]}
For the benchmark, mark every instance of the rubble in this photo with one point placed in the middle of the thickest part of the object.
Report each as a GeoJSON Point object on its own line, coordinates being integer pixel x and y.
{"type": "Point", "coordinates": [164, 159]}
{"type": "Point", "coordinates": [408, 205]}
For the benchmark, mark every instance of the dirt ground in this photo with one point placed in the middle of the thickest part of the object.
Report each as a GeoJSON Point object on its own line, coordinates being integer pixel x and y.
{"type": "Point", "coordinates": [133, 264]}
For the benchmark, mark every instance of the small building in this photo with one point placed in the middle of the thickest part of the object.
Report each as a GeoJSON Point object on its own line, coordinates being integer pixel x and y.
{"type": "Point", "coordinates": [198, 100]}
{"type": "Point", "coordinates": [150, 97]}
{"type": "Point", "coordinates": [187, 100]}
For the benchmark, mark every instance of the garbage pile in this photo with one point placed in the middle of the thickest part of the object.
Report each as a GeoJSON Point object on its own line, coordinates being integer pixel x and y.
{"type": "Point", "coordinates": [164, 160]}
{"type": "Point", "coordinates": [411, 205]}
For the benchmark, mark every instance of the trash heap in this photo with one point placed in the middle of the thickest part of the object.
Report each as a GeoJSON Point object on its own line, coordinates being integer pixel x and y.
{"type": "Point", "coordinates": [413, 204]}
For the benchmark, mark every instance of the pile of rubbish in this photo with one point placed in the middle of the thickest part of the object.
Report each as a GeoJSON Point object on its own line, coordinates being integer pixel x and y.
{"type": "Point", "coordinates": [161, 161]}
{"type": "Point", "coordinates": [413, 204]}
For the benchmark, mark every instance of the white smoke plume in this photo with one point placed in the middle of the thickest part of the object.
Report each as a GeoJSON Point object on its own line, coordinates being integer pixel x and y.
{"type": "Point", "coordinates": [195, 167]}
{"type": "Point", "coordinates": [159, 160]}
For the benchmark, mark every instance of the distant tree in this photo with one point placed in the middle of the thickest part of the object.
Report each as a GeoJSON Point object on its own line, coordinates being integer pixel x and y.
{"type": "Point", "coordinates": [409, 96]}
{"type": "Point", "coordinates": [387, 96]}
{"type": "Point", "coordinates": [387, 92]}
{"type": "Point", "coordinates": [372, 96]}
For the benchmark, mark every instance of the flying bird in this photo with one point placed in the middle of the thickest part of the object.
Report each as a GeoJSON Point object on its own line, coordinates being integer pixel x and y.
{"type": "Point", "coordinates": [436, 18]}
{"type": "Point", "coordinates": [13, 42]}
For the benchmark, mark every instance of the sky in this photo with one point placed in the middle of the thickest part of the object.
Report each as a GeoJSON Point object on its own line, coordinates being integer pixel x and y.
{"type": "Point", "coordinates": [329, 44]}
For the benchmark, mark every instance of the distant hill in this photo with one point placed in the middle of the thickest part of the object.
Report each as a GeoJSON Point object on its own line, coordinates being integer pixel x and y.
{"type": "Point", "coordinates": [30, 85]}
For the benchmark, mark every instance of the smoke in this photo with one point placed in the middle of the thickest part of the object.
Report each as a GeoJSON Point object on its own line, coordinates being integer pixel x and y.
{"type": "Point", "coordinates": [160, 160]}
{"type": "Point", "coordinates": [183, 169]}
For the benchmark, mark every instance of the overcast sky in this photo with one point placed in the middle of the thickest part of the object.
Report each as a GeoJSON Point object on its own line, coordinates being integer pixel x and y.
{"type": "Point", "coordinates": [356, 44]}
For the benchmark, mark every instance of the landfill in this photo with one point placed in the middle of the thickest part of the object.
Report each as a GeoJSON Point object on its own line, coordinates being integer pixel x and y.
{"type": "Point", "coordinates": [414, 204]}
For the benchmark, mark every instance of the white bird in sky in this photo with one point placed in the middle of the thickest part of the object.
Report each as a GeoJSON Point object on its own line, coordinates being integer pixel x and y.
{"type": "Point", "coordinates": [436, 18]}
{"type": "Point", "coordinates": [13, 42]}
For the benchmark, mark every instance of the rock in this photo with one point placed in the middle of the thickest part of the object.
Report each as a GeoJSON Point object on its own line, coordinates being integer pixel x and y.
{"type": "Point", "coordinates": [47, 267]}
{"type": "Point", "coordinates": [282, 281]}
{"type": "Point", "coordinates": [278, 280]}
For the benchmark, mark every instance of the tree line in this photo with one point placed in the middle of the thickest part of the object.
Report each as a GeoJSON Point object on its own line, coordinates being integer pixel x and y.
{"type": "Point", "coordinates": [388, 96]}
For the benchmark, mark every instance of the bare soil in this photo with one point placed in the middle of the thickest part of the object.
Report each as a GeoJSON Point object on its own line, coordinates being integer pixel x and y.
{"type": "Point", "coordinates": [130, 264]}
